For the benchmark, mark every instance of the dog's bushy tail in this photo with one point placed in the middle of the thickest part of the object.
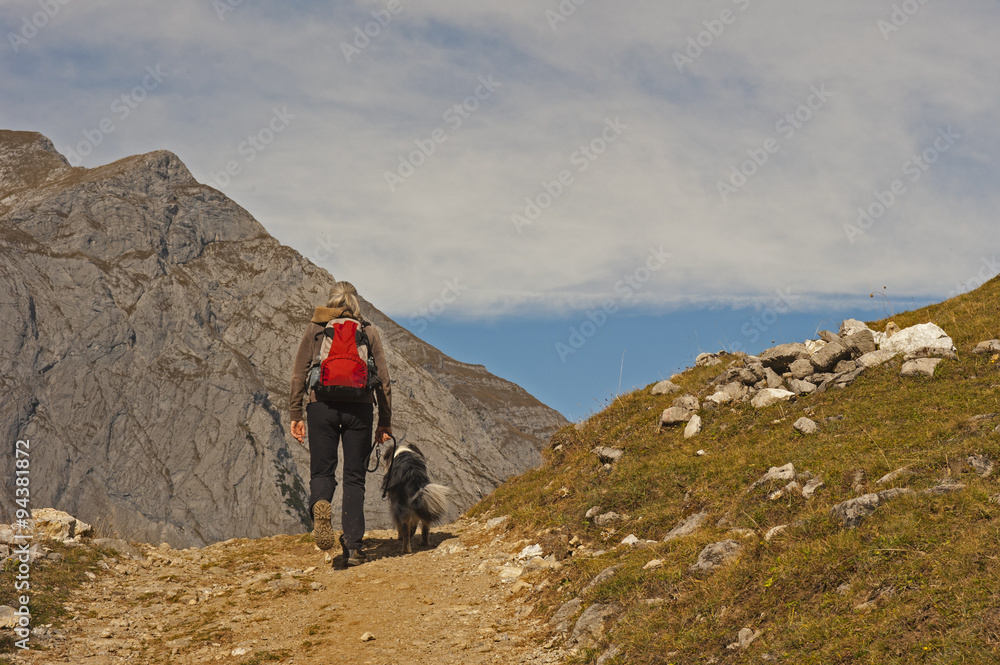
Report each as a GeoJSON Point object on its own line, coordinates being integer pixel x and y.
{"type": "Point", "coordinates": [431, 503]}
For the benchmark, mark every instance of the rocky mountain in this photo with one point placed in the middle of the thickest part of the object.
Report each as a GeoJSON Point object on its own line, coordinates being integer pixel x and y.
{"type": "Point", "coordinates": [149, 325]}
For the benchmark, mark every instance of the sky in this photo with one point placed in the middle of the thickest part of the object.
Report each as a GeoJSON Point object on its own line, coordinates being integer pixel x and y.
{"type": "Point", "coordinates": [579, 194]}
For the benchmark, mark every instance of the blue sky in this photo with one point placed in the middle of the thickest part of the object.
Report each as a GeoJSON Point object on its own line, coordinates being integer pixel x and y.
{"type": "Point", "coordinates": [539, 154]}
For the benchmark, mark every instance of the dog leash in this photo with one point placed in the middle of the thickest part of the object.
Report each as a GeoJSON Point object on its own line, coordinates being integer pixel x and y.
{"type": "Point", "coordinates": [377, 454]}
{"type": "Point", "coordinates": [388, 471]}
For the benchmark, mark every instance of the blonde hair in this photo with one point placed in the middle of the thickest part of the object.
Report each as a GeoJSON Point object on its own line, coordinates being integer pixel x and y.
{"type": "Point", "coordinates": [344, 296]}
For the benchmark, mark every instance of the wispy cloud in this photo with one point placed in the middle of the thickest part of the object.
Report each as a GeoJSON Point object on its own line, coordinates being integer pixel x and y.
{"type": "Point", "coordinates": [657, 184]}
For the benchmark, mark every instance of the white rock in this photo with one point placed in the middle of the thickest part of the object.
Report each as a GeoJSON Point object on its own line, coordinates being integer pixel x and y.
{"type": "Point", "coordinates": [693, 427]}
{"type": "Point", "coordinates": [594, 510]}
{"type": "Point", "coordinates": [769, 396]}
{"type": "Point", "coordinates": [530, 552]}
{"type": "Point", "coordinates": [812, 486]}
{"type": "Point", "coordinates": [631, 540]}
{"type": "Point", "coordinates": [851, 326]}
{"type": "Point", "coordinates": [367, 637]}
{"type": "Point", "coordinates": [875, 358]}
{"type": "Point", "coordinates": [776, 474]}
{"type": "Point", "coordinates": [920, 367]}
{"type": "Point", "coordinates": [814, 345]}
{"type": "Point", "coordinates": [665, 388]}
{"type": "Point", "coordinates": [510, 573]}
{"type": "Point", "coordinates": [917, 337]}
{"type": "Point", "coordinates": [653, 565]}
{"type": "Point", "coordinates": [805, 425]}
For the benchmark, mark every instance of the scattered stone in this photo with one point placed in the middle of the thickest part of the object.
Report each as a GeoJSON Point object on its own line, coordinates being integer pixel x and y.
{"type": "Point", "coordinates": [608, 455]}
{"type": "Point", "coordinates": [801, 368]}
{"type": "Point", "coordinates": [827, 358]}
{"type": "Point", "coordinates": [853, 511]}
{"type": "Point", "coordinates": [560, 620]}
{"type": "Point", "coordinates": [8, 617]}
{"type": "Point", "coordinates": [811, 487]}
{"type": "Point", "coordinates": [828, 336]}
{"type": "Point", "coordinates": [892, 476]}
{"type": "Point", "coordinates": [118, 545]}
{"type": "Point", "coordinates": [800, 387]}
{"type": "Point", "coordinates": [774, 531]}
{"type": "Point", "coordinates": [509, 574]}
{"type": "Point", "coordinates": [916, 337]}
{"type": "Point", "coordinates": [791, 488]}
{"type": "Point", "coordinates": [631, 540]}
{"type": "Point", "coordinates": [57, 525]}
{"type": "Point", "coordinates": [729, 392]}
{"type": "Point", "coordinates": [689, 402]}
{"type": "Point", "coordinates": [589, 628]}
{"type": "Point", "coordinates": [594, 510]}
{"type": "Point", "coordinates": [931, 352]}
{"type": "Point", "coordinates": [686, 526]}
{"type": "Point", "coordinates": [776, 474]}
{"type": "Point", "coordinates": [875, 358]}
{"type": "Point", "coordinates": [769, 396]}
{"type": "Point", "coordinates": [716, 555]}
{"type": "Point", "coordinates": [701, 453]}
{"type": "Point", "coordinates": [496, 521]}
{"type": "Point", "coordinates": [805, 426]}
{"type": "Point", "coordinates": [675, 415]}
{"type": "Point", "coordinates": [991, 346]}
{"type": "Point", "coordinates": [601, 577]}
{"type": "Point", "coordinates": [852, 326]}
{"type": "Point", "coordinates": [529, 552]}
{"type": "Point", "coordinates": [607, 518]}
{"type": "Point", "coordinates": [608, 654]}
{"type": "Point", "coordinates": [653, 564]}
{"type": "Point", "coordinates": [860, 342]}
{"type": "Point", "coordinates": [368, 637]}
{"type": "Point", "coordinates": [666, 388]}
{"type": "Point", "coordinates": [920, 367]}
{"type": "Point", "coordinates": [693, 427]}
{"type": "Point", "coordinates": [772, 378]}
{"type": "Point", "coordinates": [945, 488]}
{"type": "Point", "coordinates": [983, 465]}
{"type": "Point", "coordinates": [779, 358]}
{"type": "Point", "coordinates": [707, 360]}
{"type": "Point", "coordinates": [744, 639]}
{"type": "Point", "coordinates": [845, 367]}
{"type": "Point", "coordinates": [743, 533]}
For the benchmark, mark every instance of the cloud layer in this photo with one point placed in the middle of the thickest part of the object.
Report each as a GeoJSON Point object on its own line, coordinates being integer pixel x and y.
{"type": "Point", "coordinates": [540, 153]}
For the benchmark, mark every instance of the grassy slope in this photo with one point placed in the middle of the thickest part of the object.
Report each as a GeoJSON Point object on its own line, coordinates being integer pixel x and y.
{"type": "Point", "coordinates": [929, 563]}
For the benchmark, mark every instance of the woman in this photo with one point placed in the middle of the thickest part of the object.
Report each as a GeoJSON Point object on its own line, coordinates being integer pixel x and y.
{"type": "Point", "coordinates": [332, 421]}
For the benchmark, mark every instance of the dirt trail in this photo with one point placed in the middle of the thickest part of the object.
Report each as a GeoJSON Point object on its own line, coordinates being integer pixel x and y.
{"type": "Point", "coordinates": [279, 599]}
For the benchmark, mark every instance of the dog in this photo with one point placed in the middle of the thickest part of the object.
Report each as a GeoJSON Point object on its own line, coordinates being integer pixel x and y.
{"type": "Point", "coordinates": [413, 499]}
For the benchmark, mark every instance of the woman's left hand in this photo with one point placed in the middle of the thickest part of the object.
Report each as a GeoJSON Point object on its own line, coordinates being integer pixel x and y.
{"type": "Point", "coordinates": [383, 434]}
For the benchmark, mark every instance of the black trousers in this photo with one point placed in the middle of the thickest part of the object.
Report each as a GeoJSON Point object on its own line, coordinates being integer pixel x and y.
{"type": "Point", "coordinates": [329, 425]}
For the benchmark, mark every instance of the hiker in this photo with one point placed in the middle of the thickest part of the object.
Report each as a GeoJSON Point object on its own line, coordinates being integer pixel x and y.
{"type": "Point", "coordinates": [340, 414]}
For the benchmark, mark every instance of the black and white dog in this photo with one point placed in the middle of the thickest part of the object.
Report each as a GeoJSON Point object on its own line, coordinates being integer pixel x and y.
{"type": "Point", "coordinates": [412, 497]}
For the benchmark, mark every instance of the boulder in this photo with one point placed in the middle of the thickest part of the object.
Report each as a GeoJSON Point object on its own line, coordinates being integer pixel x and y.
{"type": "Point", "coordinates": [602, 577]}
{"type": "Point", "coordinates": [728, 393]}
{"type": "Point", "coordinates": [769, 396]}
{"type": "Point", "coordinates": [983, 465]}
{"type": "Point", "coordinates": [805, 426]}
{"type": "Point", "coordinates": [776, 474]}
{"type": "Point", "coordinates": [590, 627]}
{"type": "Point", "coordinates": [693, 427]}
{"type": "Point", "coordinates": [674, 416]}
{"type": "Point", "coordinates": [916, 337]}
{"type": "Point", "coordinates": [689, 402]}
{"type": "Point", "coordinates": [828, 336]}
{"type": "Point", "coordinates": [991, 346]}
{"type": "Point", "coordinates": [875, 358]}
{"type": "Point", "coordinates": [780, 357]}
{"type": "Point", "coordinates": [686, 526]}
{"type": "Point", "coordinates": [931, 352]}
{"type": "Point", "coordinates": [852, 326]}
{"type": "Point", "coordinates": [811, 487]}
{"type": "Point", "coordinates": [801, 368]}
{"type": "Point", "coordinates": [666, 388]}
{"type": "Point", "coordinates": [608, 455]}
{"type": "Point", "coordinates": [860, 343]}
{"type": "Point", "coordinates": [845, 367]}
{"type": "Point", "coordinates": [920, 367]}
{"type": "Point", "coordinates": [772, 378]}
{"type": "Point", "coordinates": [707, 360]}
{"type": "Point", "coordinates": [716, 555]}
{"type": "Point", "coordinates": [560, 620]}
{"type": "Point", "coordinates": [607, 518]}
{"type": "Point", "coordinates": [853, 511]}
{"type": "Point", "coordinates": [827, 358]}
{"type": "Point", "coordinates": [57, 525]}
{"type": "Point", "coordinates": [801, 387]}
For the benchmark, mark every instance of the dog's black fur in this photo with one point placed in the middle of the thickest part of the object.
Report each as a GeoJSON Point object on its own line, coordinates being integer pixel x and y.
{"type": "Point", "coordinates": [413, 498]}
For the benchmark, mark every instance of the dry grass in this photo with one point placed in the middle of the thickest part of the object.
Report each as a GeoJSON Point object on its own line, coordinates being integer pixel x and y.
{"type": "Point", "coordinates": [914, 583]}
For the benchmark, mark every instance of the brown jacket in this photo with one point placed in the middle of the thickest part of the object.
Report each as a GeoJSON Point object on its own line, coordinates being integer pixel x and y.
{"type": "Point", "coordinates": [309, 347]}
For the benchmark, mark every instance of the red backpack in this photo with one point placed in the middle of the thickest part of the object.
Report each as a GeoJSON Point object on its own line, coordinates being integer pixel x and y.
{"type": "Point", "coordinates": [344, 369]}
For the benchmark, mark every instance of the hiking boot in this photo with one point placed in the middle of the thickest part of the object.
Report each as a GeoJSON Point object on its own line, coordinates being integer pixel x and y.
{"type": "Point", "coordinates": [352, 557]}
{"type": "Point", "coordinates": [322, 528]}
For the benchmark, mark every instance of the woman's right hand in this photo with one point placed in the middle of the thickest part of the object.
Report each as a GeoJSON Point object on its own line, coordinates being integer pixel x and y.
{"type": "Point", "coordinates": [299, 430]}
